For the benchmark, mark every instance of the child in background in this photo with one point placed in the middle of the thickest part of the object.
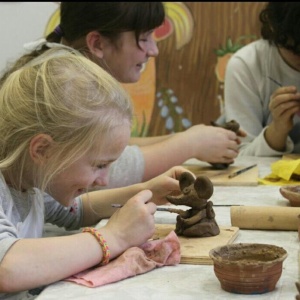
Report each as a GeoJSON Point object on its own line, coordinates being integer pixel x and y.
{"type": "Point", "coordinates": [262, 84]}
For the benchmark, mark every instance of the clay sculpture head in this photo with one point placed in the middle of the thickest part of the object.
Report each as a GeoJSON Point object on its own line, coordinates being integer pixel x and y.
{"type": "Point", "coordinates": [199, 221]}
{"type": "Point", "coordinates": [195, 192]}
{"type": "Point", "coordinates": [232, 125]}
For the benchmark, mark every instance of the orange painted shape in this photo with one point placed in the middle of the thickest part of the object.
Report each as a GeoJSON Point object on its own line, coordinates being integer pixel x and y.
{"type": "Point", "coordinates": [143, 92]}
{"type": "Point", "coordinates": [221, 66]}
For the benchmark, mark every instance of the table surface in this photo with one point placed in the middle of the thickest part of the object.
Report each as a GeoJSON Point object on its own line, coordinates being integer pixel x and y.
{"type": "Point", "coordinates": [199, 281]}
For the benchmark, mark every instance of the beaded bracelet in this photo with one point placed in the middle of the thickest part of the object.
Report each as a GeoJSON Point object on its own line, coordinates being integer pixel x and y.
{"type": "Point", "coordinates": [102, 242]}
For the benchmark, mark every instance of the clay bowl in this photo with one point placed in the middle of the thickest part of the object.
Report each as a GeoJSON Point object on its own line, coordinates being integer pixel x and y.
{"type": "Point", "coordinates": [291, 193]}
{"type": "Point", "coordinates": [248, 268]}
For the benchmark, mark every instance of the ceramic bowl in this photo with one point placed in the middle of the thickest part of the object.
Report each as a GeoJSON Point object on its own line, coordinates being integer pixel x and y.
{"type": "Point", "coordinates": [248, 268]}
{"type": "Point", "coordinates": [291, 193]}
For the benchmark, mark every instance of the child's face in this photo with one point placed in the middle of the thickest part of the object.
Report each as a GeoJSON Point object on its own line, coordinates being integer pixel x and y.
{"type": "Point", "coordinates": [91, 169]}
{"type": "Point", "coordinates": [126, 60]}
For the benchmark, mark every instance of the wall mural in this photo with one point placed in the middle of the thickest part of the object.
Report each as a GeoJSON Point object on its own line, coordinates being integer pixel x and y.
{"type": "Point", "coordinates": [184, 84]}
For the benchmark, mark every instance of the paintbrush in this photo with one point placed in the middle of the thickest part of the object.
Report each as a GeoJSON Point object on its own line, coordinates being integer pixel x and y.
{"type": "Point", "coordinates": [241, 171]}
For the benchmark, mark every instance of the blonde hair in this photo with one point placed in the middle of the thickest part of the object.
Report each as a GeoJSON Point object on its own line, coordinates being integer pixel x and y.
{"type": "Point", "coordinates": [66, 96]}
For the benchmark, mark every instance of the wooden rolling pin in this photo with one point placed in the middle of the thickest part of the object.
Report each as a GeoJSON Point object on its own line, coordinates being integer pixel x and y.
{"type": "Point", "coordinates": [265, 217]}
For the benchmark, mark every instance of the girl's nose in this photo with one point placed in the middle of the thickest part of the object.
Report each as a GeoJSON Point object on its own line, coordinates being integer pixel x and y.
{"type": "Point", "coordinates": [152, 49]}
{"type": "Point", "coordinates": [101, 180]}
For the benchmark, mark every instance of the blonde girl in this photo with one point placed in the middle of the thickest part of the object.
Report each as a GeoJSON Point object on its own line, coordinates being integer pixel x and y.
{"type": "Point", "coordinates": [63, 122]}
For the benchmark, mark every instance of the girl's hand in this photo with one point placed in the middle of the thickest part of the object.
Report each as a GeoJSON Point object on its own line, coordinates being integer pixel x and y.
{"type": "Point", "coordinates": [131, 225]}
{"type": "Point", "coordinates": [284, 103]}
{"type": "Point", "coordinates": [212, 144]}
{"type": "Point", "coordinates": [165, 184]}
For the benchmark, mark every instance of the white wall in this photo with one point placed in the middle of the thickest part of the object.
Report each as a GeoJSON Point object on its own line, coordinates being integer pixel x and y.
{"type": "Point", "coordinates": [21, 22]}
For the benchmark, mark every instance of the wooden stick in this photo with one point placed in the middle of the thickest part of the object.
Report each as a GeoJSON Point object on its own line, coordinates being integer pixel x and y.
{"type": "Point", "coordinates": [276, 82]}
{"type": "Point", "coordinates": [171, 210]}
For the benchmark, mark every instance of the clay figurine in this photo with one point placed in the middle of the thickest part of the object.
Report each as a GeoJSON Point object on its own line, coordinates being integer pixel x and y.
{"type": "Point", "coordinates": [233, 126]}
{"type": "Point", "coordinates": [199, 221]}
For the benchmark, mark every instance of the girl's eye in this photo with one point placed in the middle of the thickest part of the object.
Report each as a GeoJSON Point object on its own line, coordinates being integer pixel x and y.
{"type": "Point", "coordinates": [102, 166]}
{"type": "Point", "coordinates": [145, 37]}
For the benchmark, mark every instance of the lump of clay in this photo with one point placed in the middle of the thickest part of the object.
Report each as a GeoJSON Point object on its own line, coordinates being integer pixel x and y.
{"type": "Point", "coordinates": [233, 126]}
{"type": "Point", "coordinates": [199, 221]}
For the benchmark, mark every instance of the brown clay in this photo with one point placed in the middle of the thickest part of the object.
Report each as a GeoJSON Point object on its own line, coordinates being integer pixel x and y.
{"type": "Point", "coordinates": [233, 126]}
{"type": "Point", "coordinates": [291, 193]}
{"type": "Point", "coordinates": [199, 221]}
{"type": "Point", "coordinates": [298, 289]}
{"type": "Point", "coordinates": [248, 268]}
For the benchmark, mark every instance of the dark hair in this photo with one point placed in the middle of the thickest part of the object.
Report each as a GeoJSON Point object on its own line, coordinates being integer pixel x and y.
{"type": "Point", "coordinates": [281, 25]}
{"type": "Point", "coordinates": [109, 18]}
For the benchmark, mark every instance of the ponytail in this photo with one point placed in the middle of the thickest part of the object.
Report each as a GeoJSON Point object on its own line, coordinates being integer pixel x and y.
{"type": "Point", "coordinates": [56, 35]}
